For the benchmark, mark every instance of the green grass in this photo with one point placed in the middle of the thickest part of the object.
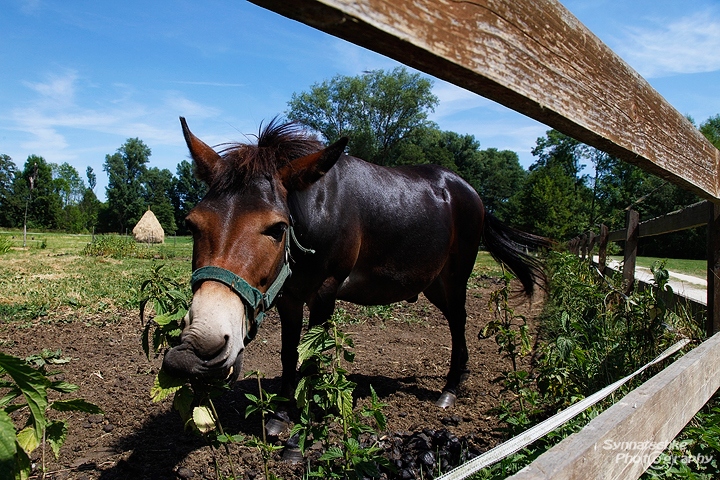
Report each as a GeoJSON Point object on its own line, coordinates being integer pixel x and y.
{"type": "Point", "coordinates": [696, 268]}
{"type": "Point", "coordinates": [52, 280]}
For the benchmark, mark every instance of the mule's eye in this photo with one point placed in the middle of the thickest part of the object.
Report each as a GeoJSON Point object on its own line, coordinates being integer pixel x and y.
{"type": "Point", "coordinates": [276, 231]}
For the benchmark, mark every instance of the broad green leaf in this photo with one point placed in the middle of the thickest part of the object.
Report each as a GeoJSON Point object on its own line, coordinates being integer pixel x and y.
{"type": "Point", "coordinates": [8, 446]}
{"type": "Point", "coordinates": [56, 434]}
{"type": "Point", "coordinates": [22, 466]}
{"type": "Point", "coordinates": [183, 402]}
{"type": "Point", "coordinates": [64, 387]}
{"type": "Point", "coordinates": [165, 385]}
{"type": "Point", "coordinates": [203, 418]}
{"type": "Point", "coordinates": [332, 453]}
{"type": "Point", "coordinates": [28, 439]}
{"type": "Point", "coordinates": [10, 395]}
{"type": "Point", "coordinates": [32, 384]}
{"type": "Point", "coordinates": [75, 405]}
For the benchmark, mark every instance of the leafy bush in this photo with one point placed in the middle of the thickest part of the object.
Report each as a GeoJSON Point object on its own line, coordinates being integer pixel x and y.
{"type": "Point", "coordinates": [117, 246]}
{"type": "Point", "coordinates": [325, 398]}
{"type": "Point", "coordinates": [592, 334]}
{"type": "Point", "coordinates": [26, 391]}
{"type": "Point", "coordinates": [114, 246]}
{"type": "Point", "coordinates": [595, 334]}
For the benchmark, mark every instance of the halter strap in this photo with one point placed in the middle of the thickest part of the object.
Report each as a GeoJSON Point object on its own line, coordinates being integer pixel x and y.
{"type": "Point", "coordinates": [256, 302]}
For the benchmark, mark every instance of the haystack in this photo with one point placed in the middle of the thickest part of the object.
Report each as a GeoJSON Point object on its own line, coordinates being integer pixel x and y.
{"type": "Point", "coordinates": [148, 229]}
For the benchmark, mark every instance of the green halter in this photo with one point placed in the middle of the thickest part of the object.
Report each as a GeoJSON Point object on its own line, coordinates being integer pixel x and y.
{"type": "Point", "coordinates": [256, 302]}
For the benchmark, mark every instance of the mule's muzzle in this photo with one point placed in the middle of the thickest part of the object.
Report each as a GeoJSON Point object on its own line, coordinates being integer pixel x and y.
{"type": "Point", "coordinates": [183, 362]}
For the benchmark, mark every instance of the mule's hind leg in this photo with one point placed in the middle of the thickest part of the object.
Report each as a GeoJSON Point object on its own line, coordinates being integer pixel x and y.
{"type": "Point", "coordinates": [449, 297]}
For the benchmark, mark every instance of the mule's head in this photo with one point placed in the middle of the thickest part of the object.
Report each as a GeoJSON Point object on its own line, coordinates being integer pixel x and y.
{"type": "Point", "coordinates": [240, 251]}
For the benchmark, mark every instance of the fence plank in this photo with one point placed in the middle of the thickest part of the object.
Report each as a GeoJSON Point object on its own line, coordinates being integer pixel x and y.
{"type": "Point", "coordinates": [602, 248]}
{"type": "Point", "coordinates": [631, 243]}
{"type": "Point", "coordinates": [650, 416]}
{"type": "Point", "coordinates": [692, 216]}
{"type": "Point", "coordinates": [532, 56]}
{"type": "Point", "coordinates": [713, 269]}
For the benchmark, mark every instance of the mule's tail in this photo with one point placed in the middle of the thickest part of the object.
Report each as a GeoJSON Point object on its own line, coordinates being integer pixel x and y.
{"type": "Point", "coordinates": [512, 247]}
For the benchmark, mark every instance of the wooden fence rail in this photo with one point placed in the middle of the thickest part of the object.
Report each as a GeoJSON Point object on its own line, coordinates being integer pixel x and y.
{"type": "Point", "coordinates": [696, 215]}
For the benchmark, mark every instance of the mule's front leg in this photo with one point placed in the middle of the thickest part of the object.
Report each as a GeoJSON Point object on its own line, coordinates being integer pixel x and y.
{"type": "Point", "coordinates": [291, 312]}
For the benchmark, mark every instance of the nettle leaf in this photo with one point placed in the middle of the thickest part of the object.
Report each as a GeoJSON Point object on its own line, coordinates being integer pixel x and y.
{"type": "Point", "coordinates": [8, 446]}
{"type": "Point", "coordinates": [203, 419]}
{"type": "Point", "coordinates": [28, 439]}
{"type": "Point", "coordinates": [183, 402]}
{"type": "Point", "coordinates": [165, 385]}
{"type": "Point", "coordinates": [332, 453]}
{"type": "Point", "coordinates": [55, 435]}
{"type": "Point", "coordinates": [75, 405]}
{"type": "Point", "coordinates": [33, 386]}
{"type": "Point", "coordinates": [64, 387]}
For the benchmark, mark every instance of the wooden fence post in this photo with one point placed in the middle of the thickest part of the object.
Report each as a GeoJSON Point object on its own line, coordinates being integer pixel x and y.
{"type": "Point", "coordinates": [713, 269]}
{"type": "Point", "coordinates": [583, 246]}
{"type": "Point", "coordinates": [632, 219]}
{"type": "Point", "coordinates": [602, 248]}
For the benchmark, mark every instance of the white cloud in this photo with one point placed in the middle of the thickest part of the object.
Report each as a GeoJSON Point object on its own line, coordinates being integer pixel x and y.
{"type": "Point", "coordinates": [689, 44]}
{"type": "Point", "coordinates": [58, 89]}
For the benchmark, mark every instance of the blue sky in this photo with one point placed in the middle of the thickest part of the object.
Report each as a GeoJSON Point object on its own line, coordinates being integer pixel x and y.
{"type": "Point", "coordinates": [77, 78]}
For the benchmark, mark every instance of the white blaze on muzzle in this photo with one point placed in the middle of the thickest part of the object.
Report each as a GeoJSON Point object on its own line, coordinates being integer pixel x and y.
{"type": "Point", "coordinates": [217, 325]}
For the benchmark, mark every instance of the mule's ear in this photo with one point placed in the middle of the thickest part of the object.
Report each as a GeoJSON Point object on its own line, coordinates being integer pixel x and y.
{"type": "Point", "coordinates": [304, 171]}
{"type": "Point", "coordinates": [205, 158]}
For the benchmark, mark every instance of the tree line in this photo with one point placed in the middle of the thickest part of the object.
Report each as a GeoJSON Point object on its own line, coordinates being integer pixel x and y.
{"type": "Point", "coordinates": [385, 115]}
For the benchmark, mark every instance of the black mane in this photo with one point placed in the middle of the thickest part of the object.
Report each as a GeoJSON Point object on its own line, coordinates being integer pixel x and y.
{"type": "Point", "coordinates": [277, 145]}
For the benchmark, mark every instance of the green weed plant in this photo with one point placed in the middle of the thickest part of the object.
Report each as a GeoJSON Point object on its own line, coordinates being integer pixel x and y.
{"type": "Point", "coordinates": [325, 398]}
{"type": "Point", "coordinates": [25, 394]}
{"type": "Point", "coordinates": [591, 334]}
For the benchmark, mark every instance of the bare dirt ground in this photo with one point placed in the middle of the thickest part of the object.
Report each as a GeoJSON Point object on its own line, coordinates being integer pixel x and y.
{"type": "Point", "coordinates": [404, 358]}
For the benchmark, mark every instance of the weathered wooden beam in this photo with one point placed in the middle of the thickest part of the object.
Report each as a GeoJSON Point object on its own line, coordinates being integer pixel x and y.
{"type": "Point", "coordinates": [602, 248]}
{"type": "Point", "coordinates": [535, 57]}
{"type": "Point", "coordinates": [626, 438]}
{"type": "Point", "coordinates": [689, 217]}
{"type": "Point", "coordinates": [713, 269]}
{"type": "Point", "coordinates": [692, 216]}
{"type": "Point", "coordinates": [631, 244]}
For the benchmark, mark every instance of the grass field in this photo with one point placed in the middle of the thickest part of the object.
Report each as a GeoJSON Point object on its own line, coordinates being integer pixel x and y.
{"type": "Point", "coordinates": [696, 268]}
{"type": "Point", "coordinates": [52, 278]}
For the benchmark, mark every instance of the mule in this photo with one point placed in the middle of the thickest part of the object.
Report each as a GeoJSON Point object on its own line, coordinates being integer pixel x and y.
{"type": "Point", "coordinates": [286, 222]}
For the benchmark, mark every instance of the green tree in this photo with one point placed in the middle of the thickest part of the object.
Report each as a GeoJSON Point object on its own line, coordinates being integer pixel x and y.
{"type": "Point", "coordinates": [44, 205]}
{"type": "Point", "coordinates": [555, 200]}
{"type": "Point", "coordinates": [68, 183]}
{"type": "Point", "coordinates": [377, 110]}
{"type": "Point", "coordinates": [187, 191]}
{"type": "Point", "coordinates": [125, 202]}
{"type": "Point", "coordinates": [8, 171]}
{"type": "Point", "coordinates": [498, 177]}
{"type": "Point", "coordinates": [711, 129]}
{"type": "Point", "coordinates": [157, 191]}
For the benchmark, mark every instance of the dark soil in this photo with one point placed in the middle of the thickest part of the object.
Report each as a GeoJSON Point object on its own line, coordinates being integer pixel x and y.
{"type": "Point", "coordinates": [404, 358]}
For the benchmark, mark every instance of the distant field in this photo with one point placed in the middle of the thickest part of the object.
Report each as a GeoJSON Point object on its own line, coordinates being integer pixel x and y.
{"type": "Point", "coordinates": [52, 278]}
{"type": "Point", "coordinates": [696, 268]}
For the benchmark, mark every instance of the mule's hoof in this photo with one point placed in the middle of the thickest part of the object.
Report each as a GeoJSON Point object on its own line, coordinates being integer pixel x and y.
{"type": "Point", "coordinates": [446, 400]}
{"type": "Point", "coordinates": [276, 426]}
{"type": "Point", "coordinates": [292, 455]}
